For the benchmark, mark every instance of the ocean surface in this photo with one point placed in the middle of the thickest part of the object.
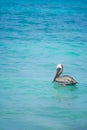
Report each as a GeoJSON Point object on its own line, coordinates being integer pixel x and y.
{"type": "Point", "coordinates": [35, 36]}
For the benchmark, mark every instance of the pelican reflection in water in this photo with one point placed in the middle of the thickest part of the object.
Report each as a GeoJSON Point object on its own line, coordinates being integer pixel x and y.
{"type": "Point", "coordinates": [65, 80]}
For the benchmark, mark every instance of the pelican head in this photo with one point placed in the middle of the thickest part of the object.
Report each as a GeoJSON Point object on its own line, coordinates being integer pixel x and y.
{"type": "Point", "coordinates": [59, 67]}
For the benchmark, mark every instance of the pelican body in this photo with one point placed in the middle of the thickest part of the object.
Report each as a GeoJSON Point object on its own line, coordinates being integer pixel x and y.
{"type": "Point", "coordinates": [65, 80]}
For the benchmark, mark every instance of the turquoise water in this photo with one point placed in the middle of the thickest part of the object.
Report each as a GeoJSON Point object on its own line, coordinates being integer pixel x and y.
{"type": "Point", "coordinates": [34, 38]}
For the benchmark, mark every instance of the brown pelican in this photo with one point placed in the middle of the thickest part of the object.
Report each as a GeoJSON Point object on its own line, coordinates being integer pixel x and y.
{"type": "Point", "coordinates": [65, 80]}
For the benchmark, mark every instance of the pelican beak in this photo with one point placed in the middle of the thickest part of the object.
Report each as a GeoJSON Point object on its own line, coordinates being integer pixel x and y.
{"type": "Point", "coordinates": [58, 69]}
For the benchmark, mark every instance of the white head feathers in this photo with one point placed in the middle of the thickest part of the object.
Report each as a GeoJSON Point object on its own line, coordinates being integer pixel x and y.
{"type": "Point", "coordinates": [59, 66]}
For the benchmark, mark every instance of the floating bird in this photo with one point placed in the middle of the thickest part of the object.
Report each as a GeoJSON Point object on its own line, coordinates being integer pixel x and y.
{"type": "Point", "coordinates": [65, 80]}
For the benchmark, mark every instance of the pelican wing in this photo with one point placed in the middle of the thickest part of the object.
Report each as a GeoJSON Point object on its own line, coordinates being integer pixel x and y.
{"type": "Point", "coordinates": [66, 80]}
